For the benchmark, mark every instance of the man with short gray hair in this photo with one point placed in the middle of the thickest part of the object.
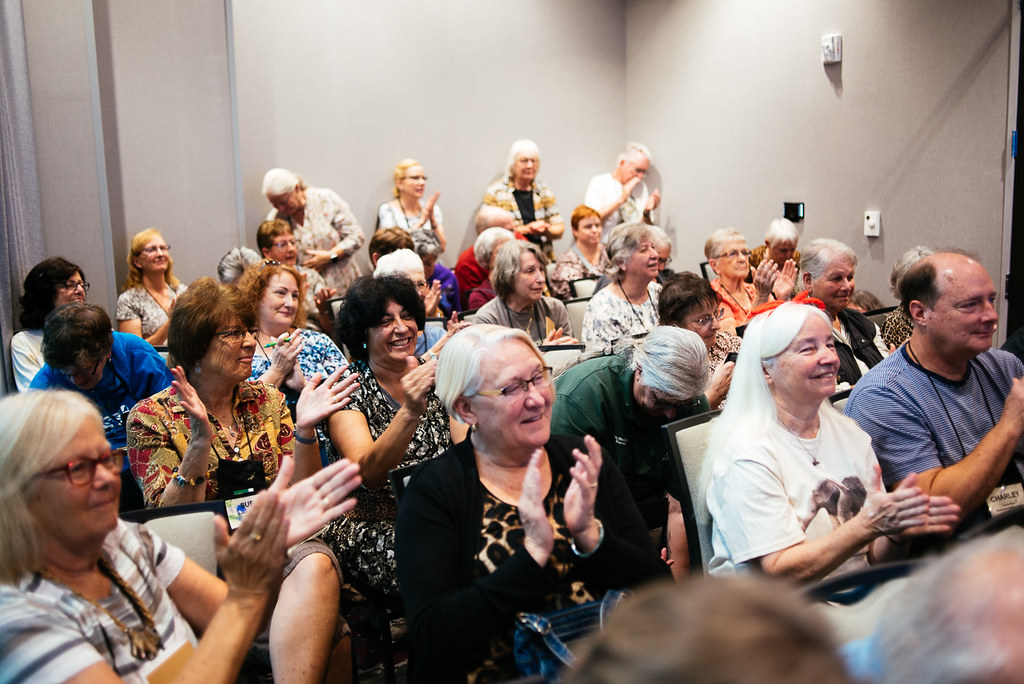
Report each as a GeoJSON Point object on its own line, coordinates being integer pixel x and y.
{"type": "Point", "coordinates": [621, 196]}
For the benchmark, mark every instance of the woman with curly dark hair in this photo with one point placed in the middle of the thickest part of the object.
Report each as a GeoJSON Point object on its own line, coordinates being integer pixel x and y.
{"type": "Point", "coordinates": [51, 283]}
{"type": "Point", "coordinates": [394, 419]}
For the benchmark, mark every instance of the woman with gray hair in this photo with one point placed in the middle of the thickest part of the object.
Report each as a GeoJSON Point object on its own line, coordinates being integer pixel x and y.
{"type": "Point", "coordinates": [793, 486]}
{"type": "Point", "coordinates": [727, 254]}
{"type": "Point", "coordinates": [511, 519]}
{"type": "Point", "coordinates": [826, 272]}
{"type": "Point", "coordinates": [629, 306]}
{"type": "Point", "coordinates": [518, 281]}
{"type": "Point", "coordinates": [531, 202]}
{"type": "Point", "coordinates": [325, 229]}
{"type": "Point", "coordinates": [897, 326]}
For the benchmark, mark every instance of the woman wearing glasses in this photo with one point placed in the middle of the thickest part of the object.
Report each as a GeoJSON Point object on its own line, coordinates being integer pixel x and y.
{"type": "Point", "coordinates": [51, 283]}
{"type": "Point", "coordinates": [727, 253]}
{"type": "Point", "coordinates": [408, 210]}
{"type": "Point", "coordinates": [216, 435]}
{"type": "Point", "coordinates": [511, 519]}
{"type": "Point", "coordinates": [85, 597]}
{"type": "Point", "coordinates": [150, 289]}
{"type": "Point", "coordinates": [688, 301]}
{"type": "Point", "coordinates": [395, 419]}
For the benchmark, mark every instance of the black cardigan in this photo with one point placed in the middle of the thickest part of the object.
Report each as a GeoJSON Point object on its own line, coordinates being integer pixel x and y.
{"type": "Point", "coordinates": [450, 612]}
{"type": "Point", "coordinates": [862, 345]}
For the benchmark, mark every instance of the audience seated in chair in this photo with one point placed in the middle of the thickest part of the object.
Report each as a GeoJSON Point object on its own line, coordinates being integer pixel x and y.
{"type": "Point", "coordinates": [277, 243]}
{"type": "Point", "coordinates": [727, 254]}
{"type": "Point", "coordinates": [388, 240]}
{"type": "Point", "coordinates": [897, 325]}
{"type": "Point", "coordinates": [473, 269]}
{"type": "Point", "coordinates": [780, 243]}
{"type": "Point", "coordinates": [428, 249]}
{"type": "Point", "coordinates": [586, 258]}
{"type": "Point", "coordinates": [233, 264]}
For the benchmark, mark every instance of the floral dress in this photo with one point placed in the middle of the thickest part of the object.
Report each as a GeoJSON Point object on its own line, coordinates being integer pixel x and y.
{"type": "Point", "coordinates": [609, 318]}
{"type": "Point", "coordinates": [364, 538]}
{"type": "Point", "coordinates": [572, 266]}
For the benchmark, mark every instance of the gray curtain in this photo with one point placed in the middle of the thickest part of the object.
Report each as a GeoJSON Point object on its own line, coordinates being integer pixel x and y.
{"type": "Point", "coordinates": [21, 240]}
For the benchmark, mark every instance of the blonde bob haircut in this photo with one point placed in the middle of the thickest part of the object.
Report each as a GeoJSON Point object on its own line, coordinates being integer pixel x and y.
{"type": "Point", "coordinates": [134, 278]}
{"type": "Point", "coordinates": [400, 170]}
{"type": "Point", "coordinates": [459, 368]}
{"type": "Point", "coordinates": [36, 428]}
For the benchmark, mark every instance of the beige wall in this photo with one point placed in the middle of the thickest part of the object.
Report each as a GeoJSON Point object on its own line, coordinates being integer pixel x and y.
{"type": "Point", "coordinates": [741, 115]}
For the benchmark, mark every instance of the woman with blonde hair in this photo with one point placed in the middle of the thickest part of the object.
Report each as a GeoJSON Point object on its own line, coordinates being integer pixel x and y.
{"type": "Point", "coordinates": [150, 289]}
{"type": "Point", "coordinates": [408, 210]}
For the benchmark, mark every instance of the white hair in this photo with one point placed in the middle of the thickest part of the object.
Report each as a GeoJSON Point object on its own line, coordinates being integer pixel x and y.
{"type": "Point", "coordinates": [659, 237]}
{"type": "Point", "coordinates": [279, 181]}
{"type": "Point", "coordinates": [714, 244]}
{"type": "Point", "coordinates": [672, 361]}
{"type": "Point", "coordinates": [819, 254]}
{"type": "Point", "coordinates": [633, 150]}
{"type": "Point", "coordinates": [903, 264]}
{"type": "Point", "coordinates": [400, 262]}
{"type": "Point", "coordinates": [518, 149]}
{"type": "Point", "coordinates": [486, 242]}
{"type": "Point", "coordinates": [234, 263]}
{"type": "Point", "coordinates": [780, 231]}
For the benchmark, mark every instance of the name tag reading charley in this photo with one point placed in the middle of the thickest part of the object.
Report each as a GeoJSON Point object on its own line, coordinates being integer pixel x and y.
{"type": "Point", "coordinates": [1005, 498]}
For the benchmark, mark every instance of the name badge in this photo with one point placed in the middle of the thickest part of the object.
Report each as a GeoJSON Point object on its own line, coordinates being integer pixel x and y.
{"type": "Point", "coordinates": [1005, 498]}
{"type": "Point", "coordinates": [237, 508]}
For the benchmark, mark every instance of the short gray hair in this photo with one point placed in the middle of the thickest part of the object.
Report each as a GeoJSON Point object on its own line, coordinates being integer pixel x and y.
{"type": "Point", "coordinates": [714, 244]}
{"type": "Point", "coordinates": [673, 361]}
{"type": "Point", "coordinates": [509, 263]}
{"type": "Point", "coordinates": [819, 254]}
{"type": "Point", "coordinates": [233, 264]}
{"type": "Point", "coordinates": [519, 148]}
{"type": "Point", "coordinates": [903, 264]}
{"type": "Point", "coordinates": [280, 181]}
{"type": "Point", "coordinates": [426, 242]}
{"type": "Point", "coordinates": [459, 366]}
{"type": "Point", "coordinates": [399, 262]}
{"type": "Point", "coordinates": [633, 150]}
{"type": "Point", "coordinates": [781, 230]}
{"type": "Point", "coordinates": [659, 237]}
{"type": "Point", "coordinates": [622, 242]}
{"type": "Point", "coordinates": [951, 625]}
{"type": "Point", "coordinates": [486, 242]}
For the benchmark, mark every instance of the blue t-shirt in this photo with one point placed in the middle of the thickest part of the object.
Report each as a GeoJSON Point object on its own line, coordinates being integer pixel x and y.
{"type": "Point", "coordinates": [134, 372]}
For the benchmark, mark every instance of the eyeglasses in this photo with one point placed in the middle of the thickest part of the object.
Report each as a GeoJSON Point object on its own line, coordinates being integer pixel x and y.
{"type": "Point", "coordinates": [735, 253]}
{"type": "Point", "coordinates": [705, 320]}
{"type": "Point", "coordinates": [520, 386]}
{"type": "Point", "coordinates": [416, 179]}
{"type": "Point", "coordinates": [83, 471]}
{"type": "Point", "coordinates": [73, 371]}
{"type": "Point", "coordinates": [154, 249]}
{"type": "Point", "coordinates": [269, 262]}
{"type": "Point", "coordinates": [72, 285]}
{"type": "Point", "coordinates": [664, 262]}
{"type": "Point", "coordinates": [236, 334]}
{"type": "Point", "coordinates": [420, 284]}
{"type": "Point", "coordinates": [284, 243]}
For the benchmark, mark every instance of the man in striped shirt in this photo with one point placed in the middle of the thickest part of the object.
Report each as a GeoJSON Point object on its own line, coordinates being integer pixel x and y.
{"type": "Point", "coordinates": [946, 405]}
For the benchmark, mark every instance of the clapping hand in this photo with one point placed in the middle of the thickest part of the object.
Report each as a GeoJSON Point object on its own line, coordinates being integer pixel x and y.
{"type": "Point", "coordinates": [581, 495]}
{"type": "Point", "coordinates": [538, 538]}
{"type": "Point", "coordinates": [319, 400]}
{"type": "Point", "coordinates": [253, 559]}
{"type": "Point", "coordinates": [907, 510]}
{"type": "Point", "coordinates": [312, 502]}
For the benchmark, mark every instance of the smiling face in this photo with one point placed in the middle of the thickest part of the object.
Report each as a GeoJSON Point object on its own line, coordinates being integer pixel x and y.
{"type": "Point", "coordinates": [512, 424]}
{"type": "Point", "coordinates": [587, 232]}
{"type": "Point", "coordinates": [529, 281]}
{"type": "Point", "coordinates": [230, 354]}
{"type": "Point", "coordinates": [155, 256]}
{"type": "Point", "coordinates": [834, 287]}
{"type": "Point", "coordinates": [703, 320]}
{"type": "Point", "coordinates": [413, 183]}
{"type": "Point", "coordinates": [279, 304]}
{"type": "Point", "coordinates": [732, 262]}
{"type": "Point", "coordinates": [525, 169]}
{"type": "Point", "coordinates": [643, 262]}
{"type": "Point", "coordinates": [282, 249]}
{"type": "Point", "coordinates": [73, 515]}
{"type": "Point", "coordinates": [964, 317]}
{"type": "Point", "coordinates": [805, 373]}
{"type": "Point", "coordinates": [288, 203]}
{"type": "Point", "coordinates": [394, 337]}
{"type": "Point", "coordinates": [63, 294]}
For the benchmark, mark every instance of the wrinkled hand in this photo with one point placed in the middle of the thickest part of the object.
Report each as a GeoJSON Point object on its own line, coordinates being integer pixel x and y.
{"type": "Point", "coordinates": [432, 299]}
{"type": "Point", "coordinates": [253, 559]}
{"type": "Point", "coordinates": [283, 357]}
{"type": "Point", "coordinates": [890, 513]}
{"type": "Point", "coordinates": [538, 227]}
{"type": "Point", "coordinates": [311, 503]}
{"type": "Point", "coordinates": [942, 515]}
{"type": "Point", "coordinates": [581, 495]}
{"type": "Point", "coordinates": [720, 382]}
{"type": "Point", "coordinates": [322, 296]}
{"type": "Point", "coordinates": [199, 419]}
{"type": "Point", "coordinates": [786, 281]}
{"type": "Point", "coordinates": [556, 337]}
{"type": "Point", "coordinates": [416, 383]}
{"type": "Point", "coordinates": [653, 201]}
{"type": "Point", "coordinates": [538, 538]}
{"type": "Point", "coordinates": [318, 259]}
{"type": "Point", "coordinates": [765, 275]}
{"type": "Point", "coordinates": [319, 400]}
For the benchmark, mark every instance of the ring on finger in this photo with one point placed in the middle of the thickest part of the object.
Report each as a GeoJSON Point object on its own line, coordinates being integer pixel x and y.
{"type": "Point", "coordinates": [256, 537]}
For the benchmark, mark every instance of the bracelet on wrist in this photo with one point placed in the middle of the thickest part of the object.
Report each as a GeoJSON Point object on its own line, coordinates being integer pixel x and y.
{"type": "Point", "coordinates": [305, 440]}
{"type": "Point", "coordinates": [600, 538]}
{"type": "Point", "coordinates": [192, 482]}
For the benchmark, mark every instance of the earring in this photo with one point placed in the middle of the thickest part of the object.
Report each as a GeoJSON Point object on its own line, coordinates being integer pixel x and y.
{"type": "Point", "coordinates": [364, 345]}
{"type": "Point", "coordinates": [197, 370]}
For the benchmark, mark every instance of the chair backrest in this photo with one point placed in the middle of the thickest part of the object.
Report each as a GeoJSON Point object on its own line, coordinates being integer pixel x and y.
{"type": "Point", "coordinates": [687, 438]}
{"type": "Point", "coordinates": [161, 349]}
{"type": "Point", "coordinates": [583, 287]}
{"type": "Point", "coordinates": [550, 268]}
{"type": "Point", "coordinates": [187, 526]}
{"type": "Point", "coordinates": [469, 315]}
{"type": "Point", "coordinates": [558, 356]}
{"type": "Point", "coordinates": [436, 322]}
{"type": "Point", "coordinates": [704, 266]}
{"type": "Point", "coordinates": [878, 316]}
{"type": "Point", "coordinates": [576, 309]}
{"type": "Point", "coordinates": [335, 304]}
{"type": "Point", "coordinates": [839, 399]}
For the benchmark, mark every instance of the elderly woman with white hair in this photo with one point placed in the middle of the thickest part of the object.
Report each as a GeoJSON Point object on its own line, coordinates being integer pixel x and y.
{"type": "Point", "coordinates": [897, 326]}
{"type": "Point", "coordinates": [473, 269]}
{"type": "Point", "coordinates": [793, 486]}
{"type": "Point", "coordinates": [780, 241]}
{"type": "Point", "coordinates": [531, 202]}
{"type": "Point", "coordinates": [826, 272]}
{"type": "Point", "coordinates": [518, 280]}
{"type": "Point", "coordinates": [629, 305]}
{"type": "Point", "coordinates": [727, 254]}
{"type": "Point", "coordinates": [325, 229]}
{"type": "Point", "coordinates": [511, 519]}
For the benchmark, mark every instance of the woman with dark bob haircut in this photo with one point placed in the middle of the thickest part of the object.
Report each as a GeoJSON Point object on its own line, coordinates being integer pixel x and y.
{"type": "Point", "coordinates": [51, 283]}
{"type": "Point", "coordinates": [394, 419]}
{"type": "Point", "coordinates": [214, 434]}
